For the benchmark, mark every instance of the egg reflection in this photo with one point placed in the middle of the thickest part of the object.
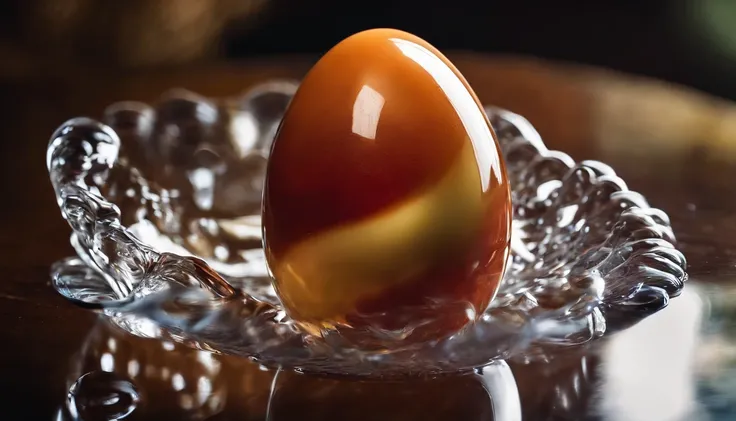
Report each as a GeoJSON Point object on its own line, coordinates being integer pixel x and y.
{"type": "Point", "coordinates": [303, 397]}
{"type": "Point", "coordinates": [176, 382]}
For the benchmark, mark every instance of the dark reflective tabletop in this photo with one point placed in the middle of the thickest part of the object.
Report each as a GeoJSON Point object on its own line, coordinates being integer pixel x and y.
{"type": "Point", "coordinates": [674, 146]}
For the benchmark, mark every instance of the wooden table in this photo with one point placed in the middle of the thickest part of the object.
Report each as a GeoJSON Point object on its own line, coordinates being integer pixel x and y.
{"type": "Point", "coordinates": [675, 146]}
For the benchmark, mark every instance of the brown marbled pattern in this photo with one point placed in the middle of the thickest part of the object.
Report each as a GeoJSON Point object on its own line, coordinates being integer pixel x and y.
{"type": "Point", "coordinates": [385, 190]}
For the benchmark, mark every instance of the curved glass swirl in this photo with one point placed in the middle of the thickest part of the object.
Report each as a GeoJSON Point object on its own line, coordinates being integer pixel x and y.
{"type": "Point", "coordinates": [164, 205]}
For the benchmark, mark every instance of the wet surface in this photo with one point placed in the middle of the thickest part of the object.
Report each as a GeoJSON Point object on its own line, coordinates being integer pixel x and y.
{"type": "Point", "coordinates": [675, 365]}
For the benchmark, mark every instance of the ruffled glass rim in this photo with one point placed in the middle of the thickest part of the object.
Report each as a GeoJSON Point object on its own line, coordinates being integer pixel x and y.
{"type": "Point", "coordinates": [588, 255]}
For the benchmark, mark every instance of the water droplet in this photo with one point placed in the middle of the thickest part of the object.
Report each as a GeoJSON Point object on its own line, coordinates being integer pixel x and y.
{"type": "Point", "coordinates": [99, 395]}
{"type": "Point", "coordinates": [81, 284]}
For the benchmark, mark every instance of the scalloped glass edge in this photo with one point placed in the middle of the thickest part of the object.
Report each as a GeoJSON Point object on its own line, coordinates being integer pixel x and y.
{"type": "Point", "coordinates": [588, 257]}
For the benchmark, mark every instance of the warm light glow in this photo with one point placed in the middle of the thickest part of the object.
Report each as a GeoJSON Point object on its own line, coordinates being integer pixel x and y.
{"type": "Point", "coordinates": [133, 368]}
{"type": "Point", "coordinates": [177, 382]}
{"type": "Point", "coordinates": [203, 183]}
{"type": "Point", "coordinates": [366, 112]}
{"type": "Point", "coordinates": [204, 389]}
{"type": "Point", "coordinates": [245, 133]}
{"type": "Point", "coordinates": [107, 362]}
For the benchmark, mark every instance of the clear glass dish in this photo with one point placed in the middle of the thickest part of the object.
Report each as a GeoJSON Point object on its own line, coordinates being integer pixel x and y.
{"type": "Point", "coordinates": [164, 205]}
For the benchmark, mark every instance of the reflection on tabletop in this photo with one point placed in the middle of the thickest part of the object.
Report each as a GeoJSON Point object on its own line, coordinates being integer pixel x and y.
{"type": "Point", "coordinates": [650, 372]}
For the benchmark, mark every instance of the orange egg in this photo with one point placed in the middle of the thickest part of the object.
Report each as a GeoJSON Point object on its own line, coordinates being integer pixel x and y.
{"type": "Point", "coordinates": [387, 209]}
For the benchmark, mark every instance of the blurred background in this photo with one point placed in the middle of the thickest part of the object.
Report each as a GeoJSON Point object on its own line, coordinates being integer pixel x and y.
{"type": "Point", "coordinates": [600, 80]}
{"type": "Point", "coordinates": [691, 42]}
{"type": "Point", "coordinates": [558, 63]}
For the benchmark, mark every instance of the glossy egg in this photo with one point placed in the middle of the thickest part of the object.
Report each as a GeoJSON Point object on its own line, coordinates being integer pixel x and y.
{"type": "Point", "coordinates": [386, 207]}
